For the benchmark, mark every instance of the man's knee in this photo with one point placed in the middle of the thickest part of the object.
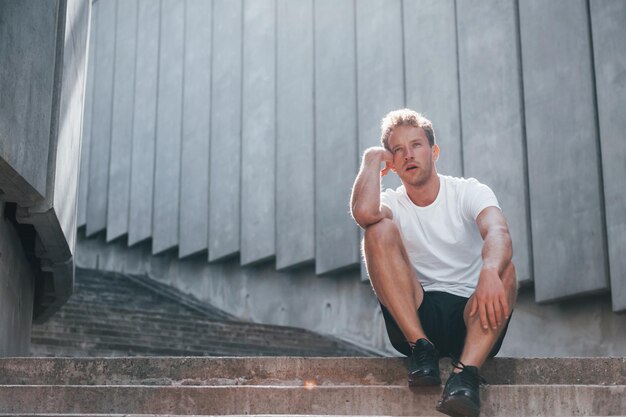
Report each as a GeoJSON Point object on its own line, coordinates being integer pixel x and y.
{"type": "Point", "coordinates": [381, 234]}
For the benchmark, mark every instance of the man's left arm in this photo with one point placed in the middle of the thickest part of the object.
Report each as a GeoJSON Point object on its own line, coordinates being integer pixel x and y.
{"type": "Point", "coordinates": [490, 301]}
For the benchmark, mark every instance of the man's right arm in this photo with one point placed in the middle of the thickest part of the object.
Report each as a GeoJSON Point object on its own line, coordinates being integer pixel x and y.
{"type": "Point", "coordinates": [365, 200]}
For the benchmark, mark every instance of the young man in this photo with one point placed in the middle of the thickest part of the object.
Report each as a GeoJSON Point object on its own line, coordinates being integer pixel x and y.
{"type": "Point", "coordinates": [438, 253]}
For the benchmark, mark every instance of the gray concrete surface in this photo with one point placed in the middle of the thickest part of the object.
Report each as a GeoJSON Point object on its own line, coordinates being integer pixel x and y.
{"type": "Point", "coordinates": [101, 124]}
{"type": "Point", "coordinates": [83, 179]}
{"type": "Point", "coordinates": [168, 127]}
{"type": "Point", "coordinates": [537, 400]}
{"type": "Point", "coordinates": [122, 119]}
{"type": "Point", "coordinates": [432, 79]}
{"type": "Point", "coordinates": [380, 69]}
{"type": "Point", "coordinates": [17, 287]}
{"type": "Point", "coordinates": [54, 218]}
{"type": "Point", "coordinates": [569, 249]}
{"type": "Point", "coordinates": [27, 80]}
{"type": "Point", "coordinates": [295, 130]}
{"type": "Point", "coordinates": [144, 123]}
{"type": "Point", "coordinates": [286, 371]}
{"type": "Point", "coordinates": [225, 158]}
{"type": "Point", "coordinates": [194, 174]}
{"type": "Point", "coordinates": [492, 114]}
{"type": "Point", "coordinates": [336, 145]}
{"type": "Point", "coordinates": [258, 132]}
{"type": "Point", "coordinates": [609, 48]}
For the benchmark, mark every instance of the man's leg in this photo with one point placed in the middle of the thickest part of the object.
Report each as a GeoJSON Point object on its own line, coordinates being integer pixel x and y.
{"type": "Point", "coordinates": [399, 290]}
{"type": "Point", "coordinates": [479, 342]}
{"type": "Point", "coordinates": [461, 394]}
{"type": "Point", "coordinates": [393, 277]}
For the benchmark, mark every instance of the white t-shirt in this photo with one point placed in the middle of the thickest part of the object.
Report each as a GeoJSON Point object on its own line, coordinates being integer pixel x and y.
{"type": "Point", "coordinates": [442, 239]}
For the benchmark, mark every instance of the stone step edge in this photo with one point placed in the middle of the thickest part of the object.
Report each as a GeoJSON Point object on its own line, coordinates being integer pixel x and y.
{"type": "Point", "coordinates": [546, 371]}
{"type": "Point", "coordinates": [362, 400]}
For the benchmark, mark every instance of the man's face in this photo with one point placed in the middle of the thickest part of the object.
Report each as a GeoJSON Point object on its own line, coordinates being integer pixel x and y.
{"type": "Point", "coordinates": [413, 157]}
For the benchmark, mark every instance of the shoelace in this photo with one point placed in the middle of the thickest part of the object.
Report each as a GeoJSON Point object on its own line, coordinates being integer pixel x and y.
{"type": "Point", "coordinates": [422, 354]}
{"type": "Point", "coordinates": [468, 374]}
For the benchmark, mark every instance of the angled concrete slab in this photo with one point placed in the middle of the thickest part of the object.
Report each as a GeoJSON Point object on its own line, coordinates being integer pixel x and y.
{"type": "Point", "coordinates": [28, 54]}
{"type": "Point", "coordinates": [258, 135]}
{"type": "Point", "coordinates": [83, 180]}
{"type": "Point", "coordinates": [609, 48]}
{"type": "Point", "coordinates": [336, 143]}
{"type": "Point", "coordinates": [168, 127]}
{"type": "Point", "coordinates": [432, 85]}
{"type": "Point", "coordinates": [225, 173]}
{"type": "Point", "coordinates": [194, 169]}
{"type": "Point", "coordinates": [569, 250]}
{"type": "Point", "coordinates": [144, 123]}
{"type": "Point", "coordinates": [122, 119]}
{"type": "Point", "coordinates": [295, 222]}
{"type": "Point", "coordinates": [380, 69]}
{"type": "Point", "coordinates": [492, 114]}
{"type": "Point", "coordinates": [101, 123]}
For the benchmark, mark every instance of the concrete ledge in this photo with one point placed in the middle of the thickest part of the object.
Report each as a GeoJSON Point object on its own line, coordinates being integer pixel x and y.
{"type": "Point", "coordinates": [293, 371]}
{"type": "Point", "coordinates": [360, 400]}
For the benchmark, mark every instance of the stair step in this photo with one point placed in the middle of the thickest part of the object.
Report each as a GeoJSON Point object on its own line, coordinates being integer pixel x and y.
{"type": "Point", "coordinates": [503, 400]}
{"type": "Point", "coordinates": [294, 371]}
{"type": "Point", "coordinates": [200, 335]}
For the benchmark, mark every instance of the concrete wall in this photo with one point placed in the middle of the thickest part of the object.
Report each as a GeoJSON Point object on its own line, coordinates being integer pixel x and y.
{"type": "Point", "coordinates": [250, 117]}
{"type": "Point", "coordinates": [43, 48]}
{"type": "Point", "coordinates": [17, 289]}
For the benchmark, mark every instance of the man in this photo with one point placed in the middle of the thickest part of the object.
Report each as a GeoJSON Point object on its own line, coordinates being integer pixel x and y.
{"type": "Point", "coordinates": [438, 253]}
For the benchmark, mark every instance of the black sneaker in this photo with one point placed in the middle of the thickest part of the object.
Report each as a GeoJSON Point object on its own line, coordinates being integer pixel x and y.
{"type": "Point", "coordinates": [461, 395]}
{"type": "Point", "coordinates": [424, 364]}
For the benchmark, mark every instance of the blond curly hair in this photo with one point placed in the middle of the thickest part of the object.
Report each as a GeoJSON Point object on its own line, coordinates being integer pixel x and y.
{"type": "Point", "coordinates": [405, 117]}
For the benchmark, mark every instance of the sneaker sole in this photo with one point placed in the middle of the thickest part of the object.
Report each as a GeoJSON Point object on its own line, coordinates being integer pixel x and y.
{"type": "Point", "coordinates": [458, 407]}
{"type": "Point", "coordinates": [424, 381]}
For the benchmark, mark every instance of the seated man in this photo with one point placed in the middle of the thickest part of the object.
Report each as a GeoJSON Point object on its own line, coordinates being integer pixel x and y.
{"type": "Point", "coordinates": [438, 253]}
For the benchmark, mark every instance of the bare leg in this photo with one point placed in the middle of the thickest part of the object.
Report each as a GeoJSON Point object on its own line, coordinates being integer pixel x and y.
{"type": "Point", "coordinates": [393, 277]}
{"type": "Point", "coordinates": [479, 342]}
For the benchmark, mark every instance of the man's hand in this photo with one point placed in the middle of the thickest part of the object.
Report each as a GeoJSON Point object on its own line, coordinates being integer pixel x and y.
{"type": "Point", "coordinates": [489, 300]}
{"type": "Point", "coordinates": [383, 155]}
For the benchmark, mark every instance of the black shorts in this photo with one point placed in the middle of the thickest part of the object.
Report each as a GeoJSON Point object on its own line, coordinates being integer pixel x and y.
{"type": "Point", "coordinates": [441, 316]}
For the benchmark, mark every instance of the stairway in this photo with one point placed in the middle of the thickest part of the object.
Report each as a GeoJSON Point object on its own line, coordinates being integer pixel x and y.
{"type": "Point", "coordinates": [112, 314]}
{"type": "Point", "coordinates": [297, 386]}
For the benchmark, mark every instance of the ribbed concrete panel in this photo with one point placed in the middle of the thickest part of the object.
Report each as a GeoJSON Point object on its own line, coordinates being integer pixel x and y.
{"type": "Point", "coordinates": [380, 69]}
{"type": "Point", "coordinates": [336, 146]}
{"type": "Point", "coordinates": [563, 154]}
{"type": "Point", "coordinates": [64, 163]}
{"type": "Point", "coordinates": [27, 56]}
{"type": "Point", "coordinates": [144, 122]}
{"type": "Point", "coordinates": [122, 119]}
{"type": "Point", "coordinates": [433, 89]}
{"type": "Point", "coordinates": [194, 170]}
{"type": "Point", "coordinates": [491, 107]}
{"type": "Point", "coordinates": [101, 123]}
{"type": "Point", "coordinates": [83, 179]}
{"type": "Point", "coordinates": [609, 47]}
{"type": "Point", "coordinates": [169, 124]}
{"type": "Point", "coordinates": [258, 134]}
{"type": "Point", "coordinates": [295, 222]}
{"type": "Point", "coordinates": [380, 72]}
{"type": "Point", "coordinates": [225, 174]}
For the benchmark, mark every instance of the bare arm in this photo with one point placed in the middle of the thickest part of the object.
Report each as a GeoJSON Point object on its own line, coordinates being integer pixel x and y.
{"type": "Point", "coordinates": [365, 199]}
{"type": "Point", "coordinates": [490, 300]}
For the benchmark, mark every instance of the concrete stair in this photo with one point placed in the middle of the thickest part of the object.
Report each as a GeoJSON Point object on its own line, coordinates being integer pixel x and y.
{"type": "Point", "coordinates": [297, 386]}
{"type": "Point", "coordinates": [113, 314]}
